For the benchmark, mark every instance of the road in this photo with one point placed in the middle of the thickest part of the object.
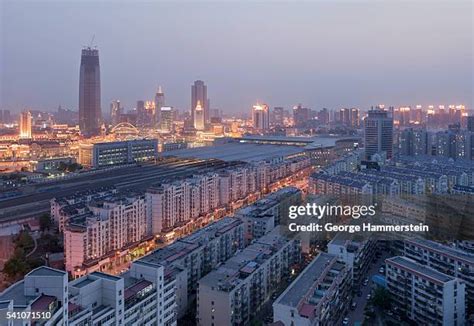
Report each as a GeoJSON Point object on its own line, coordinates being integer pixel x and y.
{"type": "Point", "coordinates": [357, 315]}
{"type": "Point", "coordinates": [35, 198]}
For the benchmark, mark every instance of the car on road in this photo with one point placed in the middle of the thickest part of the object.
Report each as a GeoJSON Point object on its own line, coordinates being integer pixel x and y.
{"type": "Point", "coordinates": [345, 321]}
{"type": "Point", "coordinates": [369, 296]}
{"type": "Point", "coordinates": [353, 305]}
{"type": "Point", "coordinates": [382, 270]}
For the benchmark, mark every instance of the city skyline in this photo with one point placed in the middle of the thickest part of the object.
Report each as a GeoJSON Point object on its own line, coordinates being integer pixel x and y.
{"type": "Point", "coordinates": [235, 72]}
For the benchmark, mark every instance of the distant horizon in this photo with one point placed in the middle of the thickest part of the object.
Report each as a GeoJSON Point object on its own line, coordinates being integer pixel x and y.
{"type": "Point", "coordinates": [321, 54]}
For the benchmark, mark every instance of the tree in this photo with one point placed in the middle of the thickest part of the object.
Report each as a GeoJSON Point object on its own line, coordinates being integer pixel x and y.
{"type": "Point", "coordinates": [45, 222]}
{"type": "Point", "coordinates": [381, 298]}
{"type": "Point", "coordinates": [24, 241]}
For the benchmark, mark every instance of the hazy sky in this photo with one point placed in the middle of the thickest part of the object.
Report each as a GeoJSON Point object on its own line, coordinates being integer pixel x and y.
{"type": "Point", "coordinates": [320, 53]}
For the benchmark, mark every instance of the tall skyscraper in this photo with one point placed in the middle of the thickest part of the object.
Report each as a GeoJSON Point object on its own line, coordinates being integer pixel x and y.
{"type": "Point", "coordinates": [25, 124]}
{"type": "Point", "coordinates": [199, 93]}
{"type": "Point", "coordinates": [199, 123]}
{"type": "Point", "coordinates": [159, 103]}
{"type": "Point", "coordinates": [378, 133]}
{"type": "Point", "coordinates": [90, 114]}
{"type": "Point", "coordinates": [115, 112]}
{"type": "Point", "coordinates": [167, 118]}
{"type": "Point", "coordinates": [261, 117]}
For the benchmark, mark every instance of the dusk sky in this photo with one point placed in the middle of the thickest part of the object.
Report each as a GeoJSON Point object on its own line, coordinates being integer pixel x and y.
{"type": "Point", "coordinates": [319, 53]}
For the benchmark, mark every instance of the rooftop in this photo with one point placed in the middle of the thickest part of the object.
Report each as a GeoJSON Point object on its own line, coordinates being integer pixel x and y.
{"type": "Point", "coordinates": [297, 290]}
{"type": "Point", "coordinates": [46, 271]}
{"type": "Point", "coordinates": [444, 249]}
{"type": "Point", "coordinates": [419, 269]}
{"type": "Point", "coordinates": [244, 263]}
{"type": "Point", "coordinates": [244, 152]}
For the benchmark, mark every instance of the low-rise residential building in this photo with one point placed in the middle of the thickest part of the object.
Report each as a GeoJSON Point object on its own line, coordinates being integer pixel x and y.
{"type": "Point", "coordinates": [194, 256]}
{"type": "Point", "coordinates": [265, 214]}
{"type": "Point", "coordinates": [105, 226]}
{"type": "Point", "coordinates": [446, 259]}
{"type": "Point", "coordinates": [320, 295]}
{"type": "Point", "coordinates": [357, 255]}
{"type": "Point", "coordinates": [43, 290]}
{"type": "Point", "coordinates": [234, 292]}
{"type": "Point", "coordinates": [144, 295]}
{"type": "Point", "coordinates": [425, 295]}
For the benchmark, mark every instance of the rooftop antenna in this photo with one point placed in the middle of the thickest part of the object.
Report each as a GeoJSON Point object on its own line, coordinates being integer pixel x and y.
{"type": "Point", "coordinates": [92, 41]}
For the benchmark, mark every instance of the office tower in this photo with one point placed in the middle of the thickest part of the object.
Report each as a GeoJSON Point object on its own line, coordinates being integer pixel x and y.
{"type": "Point", "coordinates": [167, 118]}
{"type": "Point", "coordinates": [159, 103]}
{"type": "Point", "coordinates": [278, 116]}
{"type": "Point", "coordinates": [25, 124]}
{"type": "Point", "coordinates": [300, 116]}
{"type": "Point", "coordinates": [260, 117]}
{"type": "Point", "coordinates": [90, 114]}
{"type": "Point", "coordinates": [378, 133]}
{"type": "Point", "coordinates": [199, 94]}
{"type": "Point", "coordinates": [424, 294]}
{"type": "Point", "coordinates": [199, 122]}
{"type": "Point", "coordinates": [115, 112]}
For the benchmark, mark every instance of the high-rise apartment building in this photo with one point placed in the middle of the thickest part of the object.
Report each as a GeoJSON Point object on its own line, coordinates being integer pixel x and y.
{"type": "Point", "coordinates": [349, 117]}
{"type": "Point", "coordinates": [413, 142]}
{"type": "Point", "coordinates": [199, 94]}
{"type": "Point", "coordinates": [278, 116]}
{"type": "Point", "coordinates": [323, 116]}
{"type": "Point", "coordinates": [5, 116]}
{"type": "Point", "coordinates": [26, 121]}
{"type": "Point", "coordinates": [378, 133]}
{"type": "Point", "coordinates": [300, 116]}
{"type": "Point", "coordinates": [90, 114]}
{"type": "Point", "coordinates": [261, 117]}
{"type": "Point", "coordinates": [470, 123]}
{"type": "Point", "coordinates": [142, 118]}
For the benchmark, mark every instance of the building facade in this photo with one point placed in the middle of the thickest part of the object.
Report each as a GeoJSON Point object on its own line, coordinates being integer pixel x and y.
{"type": "Point", "coordinates": [90, 114]}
